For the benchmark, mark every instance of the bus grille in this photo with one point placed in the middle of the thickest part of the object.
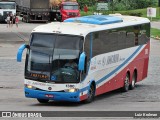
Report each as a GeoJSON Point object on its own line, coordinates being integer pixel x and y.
{"type": "Point", "coordinates": [72, 14]}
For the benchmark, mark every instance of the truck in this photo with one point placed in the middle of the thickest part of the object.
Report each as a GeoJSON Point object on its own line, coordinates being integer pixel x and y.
{"type": "Point", "coordinates": [61, 10]}
{"type": "Point", "coordinates": [33, 10]}
{"type": "Point", "coordinates": [7, 7]}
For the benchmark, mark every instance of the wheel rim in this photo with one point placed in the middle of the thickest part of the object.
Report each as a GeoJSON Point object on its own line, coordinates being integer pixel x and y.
{"type": "Point", "coordinates": [127, 82]}
{"type": "Point", "coordinates": [133, 81]}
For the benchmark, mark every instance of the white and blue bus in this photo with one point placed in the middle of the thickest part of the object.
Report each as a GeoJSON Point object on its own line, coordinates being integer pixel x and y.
{"type": "Point", "coordinates": [83, 57]}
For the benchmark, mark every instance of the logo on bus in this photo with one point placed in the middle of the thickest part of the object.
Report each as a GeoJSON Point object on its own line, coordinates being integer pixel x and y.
{"type": "Point", "coordinates": [53, 77]}
{"type": "Point", "coordinates": [49, 88]}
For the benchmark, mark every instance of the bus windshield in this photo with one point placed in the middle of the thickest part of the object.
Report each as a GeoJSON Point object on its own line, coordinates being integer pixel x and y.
{"type": "Point", "coordinates": [48, 55]}
{"type": "Point", "coordinates": [7, 5]}
{"type": "Point", "coordinates": [70, 7]}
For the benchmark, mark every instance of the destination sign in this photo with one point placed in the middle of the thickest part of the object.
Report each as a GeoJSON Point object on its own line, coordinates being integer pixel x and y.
{"type": "Point", "coordinates": [41, 76]}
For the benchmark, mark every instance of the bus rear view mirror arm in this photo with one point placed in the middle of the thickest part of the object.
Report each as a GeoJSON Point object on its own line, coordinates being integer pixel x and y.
{"type": "Point", "coordinates": [81, 64]}
{"type": "Point", "coordinates": [20, 52]}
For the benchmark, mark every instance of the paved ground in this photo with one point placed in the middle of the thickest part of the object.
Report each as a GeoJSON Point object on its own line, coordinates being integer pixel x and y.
{"type": "Point", "coordinates": [145, 97]}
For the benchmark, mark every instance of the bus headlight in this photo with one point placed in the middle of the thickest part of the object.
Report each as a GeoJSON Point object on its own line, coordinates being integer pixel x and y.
{"type": "Point", "coordinates": [71, 90]}
{"type": "Point", "coordinates": [30, 86]}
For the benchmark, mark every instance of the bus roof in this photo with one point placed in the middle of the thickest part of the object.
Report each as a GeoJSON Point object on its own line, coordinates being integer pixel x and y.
{"type": "Point", "coordinates": [96, 19]}
{"type": "Point", "coordinates": [83, 28]}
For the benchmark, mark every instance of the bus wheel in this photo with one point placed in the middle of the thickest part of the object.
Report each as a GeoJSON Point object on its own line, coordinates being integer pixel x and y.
{"type": "Point", "coordinates": [42, 101]}
{"type": "Point", "coordinates": [126, 83]}
{"type": "Point", "coordinates": [91, 94]}
{"type": "Point", "coordinates": [132, 85]}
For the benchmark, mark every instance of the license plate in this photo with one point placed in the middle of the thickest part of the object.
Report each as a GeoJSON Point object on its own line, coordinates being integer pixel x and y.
{"type": "Point", "coordinates": [49, 96]}
{"type": "Point", "coordinates": [39, 15]}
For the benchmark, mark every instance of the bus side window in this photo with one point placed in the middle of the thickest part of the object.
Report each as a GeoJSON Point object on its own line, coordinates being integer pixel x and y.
{"type": "Point", "coordinates": [122, 40]}
{"type": "Point", "coordinates": [143, 36]}
{"type": "Point", "coordinates": [130, 39]}
{"type": "Point", "coordinates": [136, 32]}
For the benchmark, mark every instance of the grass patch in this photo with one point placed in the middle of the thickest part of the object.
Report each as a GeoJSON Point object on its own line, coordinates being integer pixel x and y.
{"type": "Point", "coordinates": [141, 12]}
{"type": "Point", "coordinates": [155, 32]}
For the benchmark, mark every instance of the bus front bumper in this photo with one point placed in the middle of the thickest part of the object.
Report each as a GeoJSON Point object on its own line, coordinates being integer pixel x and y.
{"type": "Point", "coordinates": [56, 96]}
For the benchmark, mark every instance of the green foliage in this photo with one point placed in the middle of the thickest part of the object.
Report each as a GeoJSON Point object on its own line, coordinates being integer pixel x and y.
{"type": "Point", "coordinates": [89, 3]}
{"type": "Point", "coordinates": [137, 12]}
{"type": "Point", "coordinates": [132, 4]}
{"type": "Point", "coordinates": [155, 32]}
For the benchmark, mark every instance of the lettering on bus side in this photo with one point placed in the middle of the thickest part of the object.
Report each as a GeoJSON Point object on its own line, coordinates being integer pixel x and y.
{"type": "Point", "coordinates": [113, 59]}
{"type": "Point", "coordinates": [105, 60]}
{"type": "Point", "coordinates": [110, 59]}
{"type": "Point", "coordinates": [93, 64]}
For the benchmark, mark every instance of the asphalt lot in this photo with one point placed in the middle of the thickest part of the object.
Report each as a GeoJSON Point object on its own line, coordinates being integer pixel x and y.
{"type": "Point", "coordinates": [145, 97]}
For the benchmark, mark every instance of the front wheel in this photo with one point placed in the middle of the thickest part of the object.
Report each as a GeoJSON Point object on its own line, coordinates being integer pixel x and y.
{"type": "Point", "coordinates": [91, 94]}
{"type": "Point", "coordinates": [42, 101]}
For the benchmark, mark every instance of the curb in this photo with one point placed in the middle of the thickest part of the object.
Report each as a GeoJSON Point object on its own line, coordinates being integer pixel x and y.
{"type": "Point", "coordinates": [157, 38]}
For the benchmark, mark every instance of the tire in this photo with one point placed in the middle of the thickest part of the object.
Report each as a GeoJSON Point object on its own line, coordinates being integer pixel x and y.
{"type": "Point", "coordinates": [91, 94]}
{"type": "Point", "coordinates": [42, 101]}
{"type": "Point", "coordinates": [132, 85]}
{"type": "Point", "coordinates": [126, 84]}
{"type": "Point", "coordinates": [27, 20]}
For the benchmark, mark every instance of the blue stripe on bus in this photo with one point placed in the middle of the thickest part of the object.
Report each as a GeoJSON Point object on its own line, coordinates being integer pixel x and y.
{"type": "Point", "coordinates": [119, 67]}
{"type": "Point", "coordinates": [115, 70]}
{"type": "Point", "coordinates": [84, 89]}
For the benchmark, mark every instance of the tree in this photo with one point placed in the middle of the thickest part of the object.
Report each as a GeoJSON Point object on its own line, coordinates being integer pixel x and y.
{"type": "Point", "coordinates": [132, 4]}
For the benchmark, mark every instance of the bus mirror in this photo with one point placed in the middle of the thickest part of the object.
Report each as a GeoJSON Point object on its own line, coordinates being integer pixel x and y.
{"type": "Point", "coordinates": [20, 51]}
{"type": "Point", "coordinates": [81, 64]}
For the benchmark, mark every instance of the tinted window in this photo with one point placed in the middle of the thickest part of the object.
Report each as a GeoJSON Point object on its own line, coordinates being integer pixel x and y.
{"type": "Point", "coordinates": [43, 40]}
{"type": "Point", "coordinates": [69, 42]}
{"type": "Point", "coordinates": [70, 7]}
{"type": "Point", "coordinates": [117, 39]}
{"type": "Point", "coordinates": [7, 6]}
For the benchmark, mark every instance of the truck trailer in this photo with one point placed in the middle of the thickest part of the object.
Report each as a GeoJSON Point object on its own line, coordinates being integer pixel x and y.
{"type": "Point", "coordinates": [7, 7]}
{"type": "Point", "coordinates": [33, 10]}
{"type": "Point", "coordinates": [61, 10]}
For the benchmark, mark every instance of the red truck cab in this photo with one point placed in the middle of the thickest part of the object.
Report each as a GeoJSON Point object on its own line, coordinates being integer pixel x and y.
{"type": "Point", "coordinates": [69, 10]}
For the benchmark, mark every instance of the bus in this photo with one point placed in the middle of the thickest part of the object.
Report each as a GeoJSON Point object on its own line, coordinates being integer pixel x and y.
{"type": "Point", "coordinates": [7, 7]}
{"type": "Point", "coordinates": [83, 57]}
